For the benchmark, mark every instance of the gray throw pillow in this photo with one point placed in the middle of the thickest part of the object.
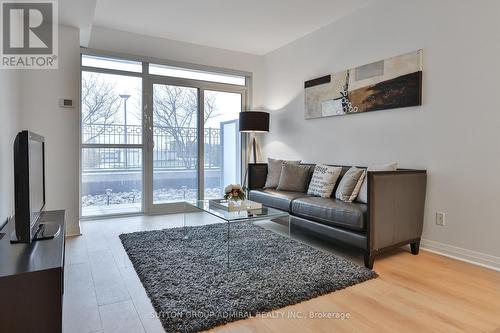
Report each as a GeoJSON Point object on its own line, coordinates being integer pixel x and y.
{"type": "Point", "coordinates": [323, 180]}
{"type": "Point", "coordinates": [274, 171]}
{"type": "Point", "coordinates": [363, 192]}
{"type": "Point", "coordinates": [350, 184]}
{"type": "Point", "coordinates": [294, 177]}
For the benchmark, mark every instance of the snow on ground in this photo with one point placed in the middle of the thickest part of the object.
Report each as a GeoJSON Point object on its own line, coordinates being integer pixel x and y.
{"type": "Point", "coordinates": [160, 195]}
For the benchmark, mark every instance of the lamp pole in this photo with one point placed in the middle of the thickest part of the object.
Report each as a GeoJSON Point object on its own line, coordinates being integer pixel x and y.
{"type": "Point", "coordinates": [254, 148]}
{"type": "Point", "coordinates": [125, 134]}
{"type": "Point", "coordinates": [253, 122]}
{"type": "Point", "coordinates": [125, 98]}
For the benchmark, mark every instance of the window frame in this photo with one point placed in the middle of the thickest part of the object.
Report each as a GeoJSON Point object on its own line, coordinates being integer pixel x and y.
{"type": "Point", "coordinates": [147, 83]}
{"type": "Point", "coordinates": [190, 70]}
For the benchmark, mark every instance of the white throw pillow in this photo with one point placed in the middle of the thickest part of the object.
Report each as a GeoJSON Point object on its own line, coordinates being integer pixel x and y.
{"type": "Point", "coordinates": [323, 180]}
{"type": "Point", "coordinates": [363, 192]}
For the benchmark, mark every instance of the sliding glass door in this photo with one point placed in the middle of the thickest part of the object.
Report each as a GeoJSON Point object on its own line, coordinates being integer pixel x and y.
{"type": "Point", "coordinates": [155, 135]}
{"type": "Point", "coordinates": [195, 147]}
{"type": "Point", "coordinates": [222, 144]}
{"type": "Point", "coordinates": [175, 139]}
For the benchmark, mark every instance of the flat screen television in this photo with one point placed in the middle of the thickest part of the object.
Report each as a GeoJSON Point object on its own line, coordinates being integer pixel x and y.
{"type": "Point", "coordinates": [29, 183]}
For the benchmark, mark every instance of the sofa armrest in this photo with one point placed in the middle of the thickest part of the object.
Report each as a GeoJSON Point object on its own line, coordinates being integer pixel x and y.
{"type": "Point", "coordinates": [396, 201]}
{"type": "Point", "coordinates": [257, 174]}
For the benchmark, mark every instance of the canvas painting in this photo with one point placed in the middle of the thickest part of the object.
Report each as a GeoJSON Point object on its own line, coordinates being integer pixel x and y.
{"type": "Point", "coordinates": [387, 84]}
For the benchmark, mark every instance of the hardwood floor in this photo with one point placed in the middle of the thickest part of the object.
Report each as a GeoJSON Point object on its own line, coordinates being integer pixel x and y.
{"type": "Point", "coordinates": [424, 293]}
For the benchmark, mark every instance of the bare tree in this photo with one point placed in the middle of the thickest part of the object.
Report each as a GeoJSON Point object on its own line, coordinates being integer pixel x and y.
{"type": "Point", "coordinates": [175, 113]}
{"type": "Point", "coordinates": [210, 107]}
{"type": "Point", "coordinates": [100, 103]}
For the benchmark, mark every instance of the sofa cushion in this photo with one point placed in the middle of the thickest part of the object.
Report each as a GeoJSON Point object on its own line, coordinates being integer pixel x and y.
{"type": "Point", "coordinates": [331, 211]}
{"type": "Point", "coordinates": [323, 180]}
{"type": "Point", "coordinates": [274, 171]}
{"type": "Point", "coordinates": [350, 184]}
{"type": "Point", "coordinates": [294, 177]}
{"type": "Point", "coordinates": [276, 199]}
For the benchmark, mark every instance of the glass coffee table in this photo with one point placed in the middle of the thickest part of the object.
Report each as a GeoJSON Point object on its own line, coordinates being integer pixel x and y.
{"type": "Point", "coordinates": [232, 234]}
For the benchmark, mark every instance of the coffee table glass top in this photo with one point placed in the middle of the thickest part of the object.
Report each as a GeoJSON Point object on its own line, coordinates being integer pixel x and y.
{"type": "Point", "coordinates": [230, 252]}
{"type": "Point", "coordinates": [263, 213]}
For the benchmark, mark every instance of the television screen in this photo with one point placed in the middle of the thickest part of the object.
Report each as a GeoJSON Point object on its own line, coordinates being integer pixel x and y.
{"type": "Point", "coordinates": [36, 171]}
{"type": "Point", "coordinates": [29, 184]}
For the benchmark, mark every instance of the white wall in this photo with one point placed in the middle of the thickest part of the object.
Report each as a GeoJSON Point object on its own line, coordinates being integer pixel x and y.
{"type": "Point", "coordinates": [146, 46]}
{"type": "Point", "coordinates": [41, 91]}
{"type": "Point", "coordinates": [9, 126]}
{"type": "Point", "coordinates": [454, 134]}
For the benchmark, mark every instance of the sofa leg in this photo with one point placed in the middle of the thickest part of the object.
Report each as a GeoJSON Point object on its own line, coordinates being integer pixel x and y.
{"type": "Point", "coordinates": [369, 260]}
{"type": "Point", "coordinates": [415, 247]}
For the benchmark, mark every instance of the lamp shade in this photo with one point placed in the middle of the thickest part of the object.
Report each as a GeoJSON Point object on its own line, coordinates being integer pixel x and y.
{"type": "Point", "coordinates": [254, 121]}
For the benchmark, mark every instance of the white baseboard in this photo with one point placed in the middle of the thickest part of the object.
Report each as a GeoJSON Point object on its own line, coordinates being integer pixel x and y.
{"type": "Point", "coordinates": [473, 257]}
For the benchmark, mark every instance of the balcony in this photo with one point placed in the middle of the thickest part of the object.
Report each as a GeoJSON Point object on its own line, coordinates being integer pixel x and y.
{"type": "Point", "coordinates": [112, 177]}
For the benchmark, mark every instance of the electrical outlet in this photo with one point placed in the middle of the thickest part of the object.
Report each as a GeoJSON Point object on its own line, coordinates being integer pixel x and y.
{"type": "Point", "coordinates": [440, 219]}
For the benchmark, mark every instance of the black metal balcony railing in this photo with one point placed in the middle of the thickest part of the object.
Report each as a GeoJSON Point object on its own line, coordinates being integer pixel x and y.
{"type": "Point", "coordinates": [175, 147]}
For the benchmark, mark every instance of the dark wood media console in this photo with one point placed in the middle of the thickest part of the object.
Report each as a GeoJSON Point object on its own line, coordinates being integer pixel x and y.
{"type": "Point", "coordinates": [31, 281]}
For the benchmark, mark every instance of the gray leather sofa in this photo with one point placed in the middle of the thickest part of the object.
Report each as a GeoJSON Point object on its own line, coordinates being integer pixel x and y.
{"type": "Point", "coordinates": [393, 216]}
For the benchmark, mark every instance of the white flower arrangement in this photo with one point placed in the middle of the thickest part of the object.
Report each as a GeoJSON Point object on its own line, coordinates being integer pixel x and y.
{"type": "Point", "coordinates": [234, 192]}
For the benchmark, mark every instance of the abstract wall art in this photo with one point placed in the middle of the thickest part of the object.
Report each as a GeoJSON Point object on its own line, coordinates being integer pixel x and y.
{"type": "Point", "coordinates": [387, 84]}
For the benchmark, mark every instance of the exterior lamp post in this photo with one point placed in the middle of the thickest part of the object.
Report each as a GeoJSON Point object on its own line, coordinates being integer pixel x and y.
{"type": "Point", "coordinates": [125, 132]}
{"type": "Point", "coordinates": [125, 98]}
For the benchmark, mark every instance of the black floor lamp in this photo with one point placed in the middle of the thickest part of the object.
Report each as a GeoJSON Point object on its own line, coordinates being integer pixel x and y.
{"type": "Point", "coordinates": [253, 122]}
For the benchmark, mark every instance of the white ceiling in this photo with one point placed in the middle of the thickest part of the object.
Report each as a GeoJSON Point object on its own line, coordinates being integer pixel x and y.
{"type": "Point", "coordinates": [252, 26]}
{"type": "Point", "coordinates": [78, 14]}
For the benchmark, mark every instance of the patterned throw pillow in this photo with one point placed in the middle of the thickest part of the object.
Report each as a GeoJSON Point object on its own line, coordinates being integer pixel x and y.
{"type": "Point", "coordinates": [350, 184]}
{"type": "Point", "coordinates": [323, 180]}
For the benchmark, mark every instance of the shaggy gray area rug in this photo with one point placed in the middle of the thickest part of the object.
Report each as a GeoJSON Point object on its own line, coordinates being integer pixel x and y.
{"type": "Point", "coordinates": [192, 289]}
